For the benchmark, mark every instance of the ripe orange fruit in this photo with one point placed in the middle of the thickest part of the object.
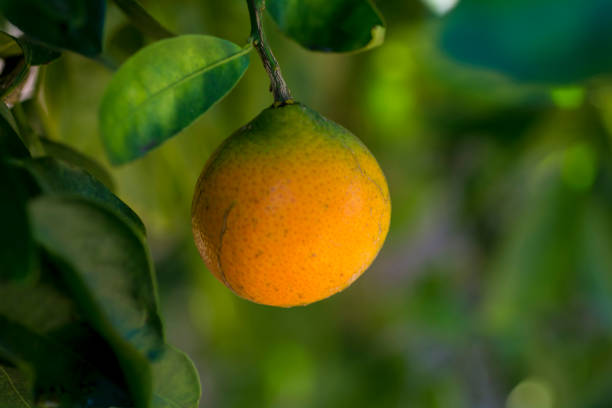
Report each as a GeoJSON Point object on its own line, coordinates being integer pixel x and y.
{"type": "Point", "coordinates": [290, 209]}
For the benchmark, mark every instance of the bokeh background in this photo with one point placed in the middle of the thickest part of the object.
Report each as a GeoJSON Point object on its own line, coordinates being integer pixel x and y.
{"type": "Point", "coordinates": [494, 288]}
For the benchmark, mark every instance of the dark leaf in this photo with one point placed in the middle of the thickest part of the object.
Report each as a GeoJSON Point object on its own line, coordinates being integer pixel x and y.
{"type": "Point", "coordinates": [550, 41]}
{"type": "Point", "coordinates": [106, 265]}
{"type": "Point", "coordinates": [78, 159]}
{"type": "Point", "coordinates": [108, 271]}
{"type": "Point", "coordinates": [17, 249]}
{"type": "Point", "coordinates": [74, 25]}
{"type": "Point", "coordinates": [329, 25]}
{"type": "Point", "coordinates": [57, 177]}
{"type": "Point", "coordinates": [41, 333]}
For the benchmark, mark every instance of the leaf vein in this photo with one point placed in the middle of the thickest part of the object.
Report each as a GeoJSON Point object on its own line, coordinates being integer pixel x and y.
{"type": "Point", "coordinates": [190, 76]}
{"type": "Point", "coordinates": [8, 377]}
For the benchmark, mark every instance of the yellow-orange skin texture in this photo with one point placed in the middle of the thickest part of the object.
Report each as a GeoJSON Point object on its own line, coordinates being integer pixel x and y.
{"type": "Point", "coordinates": [290, 209]}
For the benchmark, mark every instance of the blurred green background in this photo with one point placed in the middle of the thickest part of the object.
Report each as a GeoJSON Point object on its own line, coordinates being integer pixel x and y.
{"type": "Point", "coordinates": [494, 288]}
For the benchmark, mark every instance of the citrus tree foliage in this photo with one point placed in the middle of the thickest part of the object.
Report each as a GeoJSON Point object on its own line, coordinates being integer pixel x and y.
{"type": "Point", "coordinates": [79, 313]}
{"type": "Point", "coordinates": [521, 169]}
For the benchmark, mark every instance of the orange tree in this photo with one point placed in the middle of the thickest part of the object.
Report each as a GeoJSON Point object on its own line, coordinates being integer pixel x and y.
{"type": "Point", "coordinates": [79, 315]}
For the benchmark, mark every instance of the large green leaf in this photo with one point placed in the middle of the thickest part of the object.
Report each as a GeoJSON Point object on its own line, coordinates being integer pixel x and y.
{"type": "Point", "coordinates": [42, 334]}
{"type": "Point", "coordinates": [329, 25]}
{"type": "Point", "coordinates": [15, 390]}
{"type": "Point", "coordinates": [108, 259]}
{"type": "Point", "coordinates": [57, 177]}
{"type": "Point", "coordinates": [16, 245]}
{"type": "Point", "coordinates": [163, 88]}
{"type": "Point", "coordinates": [550, 41]}
{"type": "Point", "coordinates": [109, 272]}
{"type": "Point", "coordinates": [107, 268]}
{"type": "Point", "coordinates": [75, 25]}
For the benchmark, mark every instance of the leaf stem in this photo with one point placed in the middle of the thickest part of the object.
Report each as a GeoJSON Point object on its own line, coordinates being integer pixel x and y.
{"type": "Point", "coordinates": [278, 86]}
{"type": "Point", "coordinates": [143, 20]}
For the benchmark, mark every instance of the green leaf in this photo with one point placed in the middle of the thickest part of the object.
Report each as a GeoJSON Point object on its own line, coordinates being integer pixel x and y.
{"type": "Point", "coordinates": [107, 268]}
{"type": "Point", "coordinates": [175, 381]}
{"type": "Point", "coordinates": [74, 25]}
{"type": "Point", "coordinates": [165, 87]}
{"type": "Point", "coordinates": [57, 177]}
{"type": "Point", "coordinates": [329, 25]}
{"type": "Point", "coordinates": [67, 362]}
{"type": "Point", "coordinates": [15, 389]}
{"type": "Point", "coordinates": [567, 40]}
{"type": "Point", "coordinates": [108, 272]}
{"type": "Point", "coordinates": [16, 66]}
{"type": "Point", "coordinates": [17, 249]}
{"type": "Point", "coordinates": [11, 144]}
{"type": "Point", "coordinates": [78, 159]}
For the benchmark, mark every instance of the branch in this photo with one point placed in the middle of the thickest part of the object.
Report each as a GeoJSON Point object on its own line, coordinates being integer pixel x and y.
{"type": "Point", "coordinates": [278, 86]}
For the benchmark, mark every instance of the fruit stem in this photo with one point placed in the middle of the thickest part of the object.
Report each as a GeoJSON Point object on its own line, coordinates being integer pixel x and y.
{"type": "Point", "coordinates": [278, 86]}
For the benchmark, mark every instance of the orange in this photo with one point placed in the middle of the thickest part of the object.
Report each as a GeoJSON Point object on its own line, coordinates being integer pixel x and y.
{"type": "Point", "coordinates": [290, 209]}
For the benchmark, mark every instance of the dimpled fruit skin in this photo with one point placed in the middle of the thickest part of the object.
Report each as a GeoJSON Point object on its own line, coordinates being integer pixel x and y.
{"type": "Point", "coordinates": [290, 209]}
